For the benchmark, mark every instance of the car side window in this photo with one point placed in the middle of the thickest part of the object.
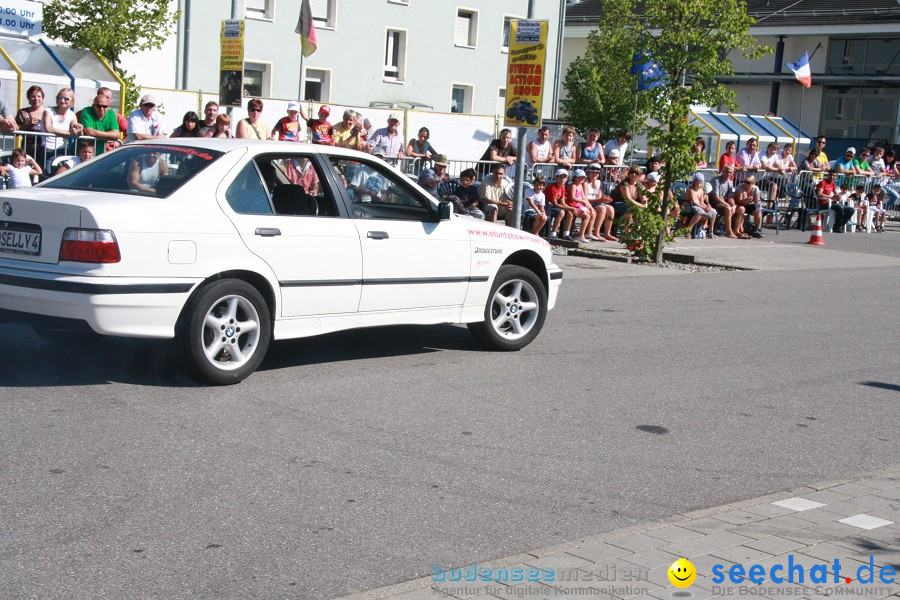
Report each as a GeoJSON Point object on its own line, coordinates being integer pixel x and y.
{"type": "Point", "coordinates": [296, 185]}
{"type": "Point", "coordinates": [380, 193]}
{"type": "Point", "coordinates": [247, 195]}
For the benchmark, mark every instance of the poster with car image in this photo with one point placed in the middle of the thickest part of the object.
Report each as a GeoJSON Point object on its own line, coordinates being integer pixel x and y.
{"type": "Point", "coordinates": [231, 63]}
{"type": "Point", "coordinates": [525, 73]}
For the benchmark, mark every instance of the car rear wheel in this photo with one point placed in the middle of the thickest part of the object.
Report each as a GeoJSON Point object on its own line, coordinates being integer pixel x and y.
{"type": "Point", "coordinates": [226, 331]}
{"type": "Point", "coordinates": [515, 311]}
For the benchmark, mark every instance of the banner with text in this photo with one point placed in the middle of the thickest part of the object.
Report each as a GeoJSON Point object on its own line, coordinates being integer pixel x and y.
{"type": "Point", "coordinates": [231, 64]}
{"type": "Point", "coordinates": [21, 18]}
{"type": "Point", "coordinates": [525, 73]}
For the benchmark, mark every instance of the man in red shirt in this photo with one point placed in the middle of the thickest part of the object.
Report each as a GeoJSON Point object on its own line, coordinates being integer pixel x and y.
{"type": "Point", "coordinates": [555, 194]}
{"type": "Point", "coordinates": [827, 199]}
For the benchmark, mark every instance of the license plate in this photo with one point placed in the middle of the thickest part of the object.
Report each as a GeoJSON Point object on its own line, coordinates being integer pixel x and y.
{"type": "Point", "coordinates": [20, 238]}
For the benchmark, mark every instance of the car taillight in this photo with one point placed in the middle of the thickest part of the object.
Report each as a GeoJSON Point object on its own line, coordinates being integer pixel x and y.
{"type": "Point", "coordinates": [90, 245]}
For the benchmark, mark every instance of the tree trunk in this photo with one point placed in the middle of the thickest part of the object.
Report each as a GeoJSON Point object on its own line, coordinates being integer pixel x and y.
{"type": "Point", "coordinates": [664, 208]}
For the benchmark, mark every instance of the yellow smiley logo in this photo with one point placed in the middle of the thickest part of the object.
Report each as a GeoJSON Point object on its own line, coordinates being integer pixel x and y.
{"type": "Point", "coordinates": [682, 573]}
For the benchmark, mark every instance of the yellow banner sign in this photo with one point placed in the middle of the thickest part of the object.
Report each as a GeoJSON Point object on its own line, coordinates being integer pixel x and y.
{"type": "Point", "coordinates": [525, 73]}
{"type": "Point", "coordinates": [231, 63]}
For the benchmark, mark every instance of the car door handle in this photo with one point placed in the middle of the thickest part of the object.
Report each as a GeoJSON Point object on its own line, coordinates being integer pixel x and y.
{"type": "Point", "coordinates": [377, 235]}
{"type": "Point", "coordinates": [268, 231]}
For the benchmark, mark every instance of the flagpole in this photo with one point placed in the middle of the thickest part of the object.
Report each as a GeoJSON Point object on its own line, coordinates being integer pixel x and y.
{"type": "Point", "coordinates": [800, 120]}
{"type": "Point", "coordinates": [300, 83]}
{"type": "Point", "coordinates": [633, 130]}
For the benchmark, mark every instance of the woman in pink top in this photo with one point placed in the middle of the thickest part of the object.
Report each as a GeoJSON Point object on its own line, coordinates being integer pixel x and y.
{"type": "Point", "coordinates": [576, 199]}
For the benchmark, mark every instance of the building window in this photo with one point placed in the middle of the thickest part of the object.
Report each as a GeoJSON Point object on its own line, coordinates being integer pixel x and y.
{"type": "Point", "coordinates": [394, 55]}
{"type": "Point", "coordinates": [324, 13]}
{"type": "Point", "coordinates": [259, 9]}
{"type": "Point", "coordinates": [466, 31]}
{"type": "Point", "coordinates": [857, 56]}
{"type": "Point", "coordinates": [507, 28]}
{"type": "Point", "coordinates": [403, 2]}
{"type": "Point", "coordinates": [257, 80]}
{"type": "Point", "coordinates": [317, 85]}
{"type": "Point", "coordinates": [501, 101]}
{"type": "Point", "coordinates": [461, 98]}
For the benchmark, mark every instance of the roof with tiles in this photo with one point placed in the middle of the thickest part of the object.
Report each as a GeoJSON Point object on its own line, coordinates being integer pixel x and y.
{"type": "Point", "coordinates": [779, 12]}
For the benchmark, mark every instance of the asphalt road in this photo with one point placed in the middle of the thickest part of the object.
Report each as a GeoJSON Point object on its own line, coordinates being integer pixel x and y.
{"type": "Point", "coordinates": [360, 459]}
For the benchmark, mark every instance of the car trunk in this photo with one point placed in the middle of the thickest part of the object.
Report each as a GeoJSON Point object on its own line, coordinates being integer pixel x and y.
{"type": "Point", "coordinates": [31, 228]}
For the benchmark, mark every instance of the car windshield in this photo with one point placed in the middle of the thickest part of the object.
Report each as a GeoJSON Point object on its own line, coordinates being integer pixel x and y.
{"type": "Point", "coordinates": [156, 170]}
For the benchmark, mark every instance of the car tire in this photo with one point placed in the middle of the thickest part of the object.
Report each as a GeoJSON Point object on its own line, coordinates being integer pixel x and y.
{"type": "Point", "coordinates": [514, 312]}
{"type": "Point", "coordinates": [226, 331]}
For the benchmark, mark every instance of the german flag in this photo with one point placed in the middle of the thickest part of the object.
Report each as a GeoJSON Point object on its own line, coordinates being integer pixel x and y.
{"type": "Point", "coordinates": [307, 30]}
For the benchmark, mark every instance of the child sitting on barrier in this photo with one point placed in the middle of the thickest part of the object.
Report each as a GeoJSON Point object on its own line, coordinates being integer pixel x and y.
{"type": "Point", "coordinates": [535, 204]}
{"type": "Point", "coordinates": [875, 199]}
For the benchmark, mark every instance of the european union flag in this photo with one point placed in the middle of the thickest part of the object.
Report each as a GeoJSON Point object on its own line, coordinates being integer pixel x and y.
{"type": "Point", "coordinates": [650, 75]}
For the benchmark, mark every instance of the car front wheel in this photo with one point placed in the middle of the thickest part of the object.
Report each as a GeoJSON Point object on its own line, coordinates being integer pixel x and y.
{"type": "Point", "coordinates": [226, 331]}
{"type": "Point", "coordinates": [515, 310]}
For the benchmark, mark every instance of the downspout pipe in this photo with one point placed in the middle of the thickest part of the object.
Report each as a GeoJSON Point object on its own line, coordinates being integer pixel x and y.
{"type": "Point", "coordinates": [776, 85]}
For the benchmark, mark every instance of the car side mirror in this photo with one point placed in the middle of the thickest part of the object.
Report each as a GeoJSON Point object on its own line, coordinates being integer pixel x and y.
{"type": "Point", "coordinates": [445, 209]}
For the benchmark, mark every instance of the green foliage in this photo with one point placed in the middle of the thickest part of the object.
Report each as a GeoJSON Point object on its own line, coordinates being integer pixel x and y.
{"type": "Point", "coordinates": [647, 229]}
{"type": "Point", "coordinates": [690, 40]}
{"type": "Point", "coordinates": [599, 85]}
{"type": "Point", "coordinates": [111, 27]}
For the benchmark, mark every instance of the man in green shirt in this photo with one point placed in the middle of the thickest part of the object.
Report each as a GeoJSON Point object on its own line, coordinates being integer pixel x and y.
{"type": "Point", "coordinates": [100, 122]}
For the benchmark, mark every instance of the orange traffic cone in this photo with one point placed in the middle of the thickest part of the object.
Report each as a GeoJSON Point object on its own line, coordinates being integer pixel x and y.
{"type": "Point", "coordinates": [816, 237]}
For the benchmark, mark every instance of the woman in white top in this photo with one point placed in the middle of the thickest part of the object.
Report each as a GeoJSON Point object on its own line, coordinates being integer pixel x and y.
{"type": "Point", "coordinates": [786, 160]}
{"type": "Point", "coordinates": [145, 171]}
{"type": "Point", "coordinates": [60, 121]}
{"type": "Point", "coordinates": [773, 172]}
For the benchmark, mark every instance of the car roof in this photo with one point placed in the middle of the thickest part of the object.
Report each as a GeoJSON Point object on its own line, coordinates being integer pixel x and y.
{"type": "Point", "coordinates": [254, 146]}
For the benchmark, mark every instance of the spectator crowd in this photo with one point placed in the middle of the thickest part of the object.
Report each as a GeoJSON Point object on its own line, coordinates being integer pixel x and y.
{"type": "Point", "coordinates": [568, 181]}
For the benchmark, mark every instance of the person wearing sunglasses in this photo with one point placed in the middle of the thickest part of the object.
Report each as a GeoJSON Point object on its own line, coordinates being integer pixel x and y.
{"type": "Point", "coordinates": [862, 164]}
{"type": "Point", "coordinates": [253, 128]}
{"type": "Point", "coordinates": [847, 164]}
{"type": "Point", "coordinates": [60, 121]}
{"type": "Point", "coordinates": [100, 121]}
{"type": "Point", "coordinates": [143, 122]}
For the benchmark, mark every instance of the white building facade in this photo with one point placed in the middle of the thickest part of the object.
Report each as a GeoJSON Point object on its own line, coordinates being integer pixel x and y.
{"type": "Point", "coordinates": [854, 47]}
{"type": "Point", "coordinates": [443, 55]}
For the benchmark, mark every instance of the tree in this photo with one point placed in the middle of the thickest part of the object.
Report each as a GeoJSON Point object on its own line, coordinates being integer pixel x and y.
{"type": "Point", "coordinates": [689, 40]}
{"type": "Point", "coordinates": [599, 85]}
{"type": "Point", "coordinates": [111, 27]}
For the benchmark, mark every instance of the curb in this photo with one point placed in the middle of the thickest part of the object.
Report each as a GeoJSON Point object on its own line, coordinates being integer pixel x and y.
{"type": "Point", "coordinates": [426, 582]}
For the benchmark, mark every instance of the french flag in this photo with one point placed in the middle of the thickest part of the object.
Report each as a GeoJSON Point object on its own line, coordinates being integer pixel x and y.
{"type": "Point", "coordinates": [801, 70]}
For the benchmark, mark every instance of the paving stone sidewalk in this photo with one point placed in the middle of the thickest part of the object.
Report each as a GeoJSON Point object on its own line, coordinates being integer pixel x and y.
{"type": "Point", "coordinates": [855, 522]}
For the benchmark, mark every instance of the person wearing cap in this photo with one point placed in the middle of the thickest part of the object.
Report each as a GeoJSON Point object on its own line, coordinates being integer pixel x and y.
{"type": "Point", "coordinates": [432, 176]}
{"type": "Point", "coordinates": [388, 140]}
{"type": "Point", "coordinates": [346, 134]}
{"type": "Point", "coordinates": [100, 122]}
{"type": "Point", "coordinates": [143, 122]}
{"type": "Point", "coordinates": [620, 143]}
{"type": "Point", "coordinates": [746, 199]}
{"type": "Point", "coordinates": [575, 198]}
{"type": "Point", "coordinates": [721, 198]}
{"type": "Point", "coordinates": [253, 127]}
{"type": "Point", "coordinates": [699, 210]}
{"type": "Point", "coordinates": [652, 166]}
{"type": "Point", "coordinates": [555, 194]}
{"type": "Point", "coordinates": [287, 129]}
{"type": "Point", "coordinates": [321, 129]}
{"type": "Point", "coordinates": [613, 158]}
{"type": "Point", "coordinates": [847, 164]}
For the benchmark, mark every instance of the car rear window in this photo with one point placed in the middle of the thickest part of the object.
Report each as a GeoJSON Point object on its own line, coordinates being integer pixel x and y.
{"type": "Point", "coordinates": [156, 170]}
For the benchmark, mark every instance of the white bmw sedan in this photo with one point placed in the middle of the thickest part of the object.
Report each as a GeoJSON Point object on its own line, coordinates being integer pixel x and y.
{"type": "Point", "coordinates": [225, 245]}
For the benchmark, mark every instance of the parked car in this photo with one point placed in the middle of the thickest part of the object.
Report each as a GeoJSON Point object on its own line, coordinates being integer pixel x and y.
{"type": "Point", "coordinates": [225, 245]}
